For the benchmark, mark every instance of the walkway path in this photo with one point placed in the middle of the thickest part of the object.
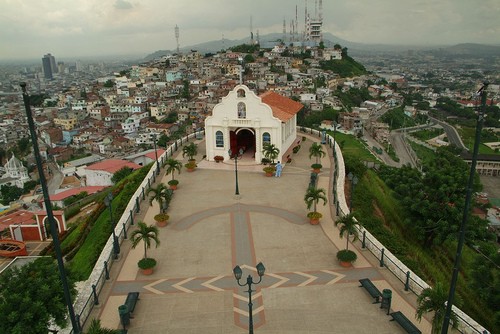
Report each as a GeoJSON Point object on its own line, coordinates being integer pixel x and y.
{"type": "Point", "coordinates": [304, 290]}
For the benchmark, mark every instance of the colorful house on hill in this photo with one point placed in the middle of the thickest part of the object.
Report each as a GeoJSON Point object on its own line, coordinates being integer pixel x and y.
{"type": "Point", "coordinates": [100, 173]}
{"type": "Point", "coordinates": [245, 122]}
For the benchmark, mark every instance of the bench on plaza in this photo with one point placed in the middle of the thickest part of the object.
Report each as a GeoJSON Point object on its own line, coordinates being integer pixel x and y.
{"type": "Point", "coordinates": [404, 322]}
{"type": "Point", "coordinates": [131, 300]}
{"type": "Point", "coordinates": [371, 288]}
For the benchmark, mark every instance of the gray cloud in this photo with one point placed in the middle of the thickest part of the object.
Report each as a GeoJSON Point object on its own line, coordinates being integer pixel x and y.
{"type": "Point", "coordinates": [122, 4]}
{"type": "Point", "coordinates": [96, 27]}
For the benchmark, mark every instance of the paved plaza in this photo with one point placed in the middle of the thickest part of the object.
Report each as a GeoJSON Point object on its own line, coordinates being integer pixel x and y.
{"type": "Point", "coordinates": [211, 230]}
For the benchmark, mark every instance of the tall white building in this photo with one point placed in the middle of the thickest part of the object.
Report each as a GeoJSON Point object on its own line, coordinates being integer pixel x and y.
{"type": "Point", "coordinates": [15, 173]}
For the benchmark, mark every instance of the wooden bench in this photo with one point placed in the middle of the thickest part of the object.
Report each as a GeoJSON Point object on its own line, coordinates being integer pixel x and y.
{"type": "Point", "coordinates": [407, 325]}
{"type": "Point", "coordinates": [371, 288]}
{"type": "Point", "coordinates": [131, 300]}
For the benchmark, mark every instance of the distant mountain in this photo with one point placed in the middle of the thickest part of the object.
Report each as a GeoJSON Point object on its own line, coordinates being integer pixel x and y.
{"type": "Point", "coordinates": [354, 48]}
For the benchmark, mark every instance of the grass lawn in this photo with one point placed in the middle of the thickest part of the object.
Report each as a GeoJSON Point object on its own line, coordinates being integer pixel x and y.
{"type": "Point", "coordinates": [468, 134]}
{"type": "Point", "coordinates": [352, 146]}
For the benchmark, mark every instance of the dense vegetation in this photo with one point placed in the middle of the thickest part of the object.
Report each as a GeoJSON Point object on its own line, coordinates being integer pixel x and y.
{"type": "Point", "coordinates": [31, 298]}
{"type": "Point", "coordinates": [345, 67]}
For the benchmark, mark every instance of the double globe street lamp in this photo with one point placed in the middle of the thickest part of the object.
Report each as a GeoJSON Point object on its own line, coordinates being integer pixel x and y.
{"type": "Point", "coordinates": [237, 274]}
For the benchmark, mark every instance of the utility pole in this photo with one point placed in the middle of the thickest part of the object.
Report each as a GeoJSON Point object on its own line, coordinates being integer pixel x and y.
{"type": "Point", "coordinates": [468, 196]}
{"type": "Point", "coordinates": [54, 231]}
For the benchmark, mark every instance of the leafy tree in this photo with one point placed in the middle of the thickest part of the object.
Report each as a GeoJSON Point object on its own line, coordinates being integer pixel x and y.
{"type": "Point", "coordinates": [271, 152]}
{"type": "Point", "coordinates": [146, 234]}
{"type": "Point", "coordinates": [313, 196]}
{"type": "Point", "coordinates": [162, 194]}
{"type": "Point", "coordinates": [109, 84]}
{"type": "Point", "coordinates": [163, 141]}
{"type": "Point", "coordinates": [172, 165]}
{"type": "Point", "coordinates": [185, 90]}
{"type": "Point", "coordinates": [249, 58]}
{"type": "Point", "coordinates": [316, 150]}
{"type": "Point", "coordinates": [10, 194]}
{"type": "Point", "coordinates": [348, 227]}
{"type": "Point", "coordinates": [434, 300]}
{"type": "Point", "coordinates": [28, 186]}
{"type": "Point", "coordinates": [190, 150]}
{"type": "Point", "coordinates": [32, 298]}
{"type": "Point", "coordinates": [121, 174]}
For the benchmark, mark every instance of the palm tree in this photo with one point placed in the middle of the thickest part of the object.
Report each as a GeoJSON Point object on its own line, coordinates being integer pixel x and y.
{"type": "Point", "coordinates": [190, 150]}
{"type": "Point", "coordinates": [270, 151]}
{"type": "Point", "coordinates": [348, 227]}
{"type": "Point", "coordinates": [316, 150]}
{"type": "Point", "coordinates": [172, 166]}
{"type": "Point", "coordinates": [162, 194]}
{"type": "Point", "coordinates": [146, 234]}
{"type": "Point", "coordinates": [313, 196]}
{"type": "Point", "coordinates": [434, 300]}
{"type": "Point", "coordinates": [96, 328]}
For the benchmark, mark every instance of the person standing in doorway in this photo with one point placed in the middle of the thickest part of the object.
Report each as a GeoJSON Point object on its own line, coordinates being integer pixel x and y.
{"type": "Point", "coordinates": [279, 168]}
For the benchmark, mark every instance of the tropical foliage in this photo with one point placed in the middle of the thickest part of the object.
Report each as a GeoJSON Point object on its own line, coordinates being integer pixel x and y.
{"type": "Point", "coordinates": [271, 152]}
{"type": "Point", "coordinates": [146, 234]}
{"type": "Point", "coordinates": [172, 166]}
{"type": "Point", "coordinates": [347, 225]}
{"type": "Point", "coordinates": [162, 194]}
{"type": "Point", "coordinates": [190, 150]}
{"type": "Point", "coordinates": [316, 151]}
{"type": "Point", "coordinates": [434, 300]}
{"type": "Point", "coordinates": [313, 196]}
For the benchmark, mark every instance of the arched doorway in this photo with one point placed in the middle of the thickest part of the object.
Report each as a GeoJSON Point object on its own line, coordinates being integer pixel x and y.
{"type": "Point", "coordinates": [243, 139]}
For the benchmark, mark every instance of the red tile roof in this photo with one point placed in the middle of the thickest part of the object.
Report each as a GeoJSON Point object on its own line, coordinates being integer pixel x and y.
{"type": "Point", "coordinates": [75, 191]}
{"type": "Point", "coordinates": [283, 107]}
{"type": "Point", "coordinates": [112, 165]}
{"type": "Point", "coordinates": [151, 155]}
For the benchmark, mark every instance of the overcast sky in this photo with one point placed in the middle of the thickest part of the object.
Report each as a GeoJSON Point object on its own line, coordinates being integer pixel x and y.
{"type": "Point", "coordinates": [71, 28]}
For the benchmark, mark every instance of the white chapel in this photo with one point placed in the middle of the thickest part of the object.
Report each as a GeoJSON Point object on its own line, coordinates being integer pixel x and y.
{"type": "Point", "coordinates": [245, 122]}
{"type": "Point", "coordinates": [15, 173]}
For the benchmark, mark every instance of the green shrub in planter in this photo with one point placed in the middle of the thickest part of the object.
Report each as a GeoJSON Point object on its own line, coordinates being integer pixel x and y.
{"type": "Point", "coordinates": [161, 217]}
{"type": "Point", "coordinates": [173, 182]}
{"type": "Point", "coordinates": [314, 215]}
{"type": "Point", "coordinates": [346, 255]}
{"type": "Point", "coordinates": [146, 263]}
{"type": "Point", "coordinates": [316, 166]}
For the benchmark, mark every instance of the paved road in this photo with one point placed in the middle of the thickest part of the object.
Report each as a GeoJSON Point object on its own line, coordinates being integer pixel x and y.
{"type": "Point", "coordinates": [451, 133]}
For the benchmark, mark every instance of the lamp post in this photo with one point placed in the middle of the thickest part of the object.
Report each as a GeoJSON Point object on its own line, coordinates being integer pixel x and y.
{"type": "Point", "coordinates": [354, 180]}
{"type": "Point", "coordinates": [75, 323]}
{"type": "Point", "coordinates": [334, 131]}
{"type": "Point", "coordinates": [236, 156]}
{"type": "Point", "coordinates": [237, 274]}
{"type": "Point", "coordinates": [116, 246]}
{"type": "Point", "coordinates": [156, 155]}
{"type": "Point", "coordinates": [470, 185]}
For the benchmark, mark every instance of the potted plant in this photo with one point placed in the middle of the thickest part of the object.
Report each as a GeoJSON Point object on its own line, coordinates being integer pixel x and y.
{"type": "Point", "coordinates": [161, 219]}
{"type": "Point", "coordinates": [316, 150]}
{"type": "Point", "coordinates": [146, 234]}
{"type": "Point", "coordinates": [269, 170]}
{"type": "Point", "coordinates": [347, 226]}
{"type": "Point", "coordinates": [190, 166]}
{"type": "Point", "coordinates": [312, 197]}
{"type": "Point", "coordinates": [218, 158]}
{"type": "Point", "coordinates": [172, 165]}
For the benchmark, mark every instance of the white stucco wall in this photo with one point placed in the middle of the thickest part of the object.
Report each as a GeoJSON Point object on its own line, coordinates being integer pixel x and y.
{"type": "Point", "coordinates": [259, 119]}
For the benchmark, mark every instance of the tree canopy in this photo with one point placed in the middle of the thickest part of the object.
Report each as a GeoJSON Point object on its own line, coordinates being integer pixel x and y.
{"type": "Point", "coordinates": [31, 298]}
